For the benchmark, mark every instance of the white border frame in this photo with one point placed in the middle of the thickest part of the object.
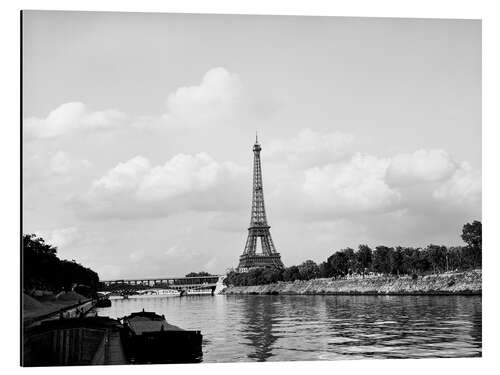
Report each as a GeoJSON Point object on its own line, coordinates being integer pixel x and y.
{"type": "Point", "coordinates": [10, 168]}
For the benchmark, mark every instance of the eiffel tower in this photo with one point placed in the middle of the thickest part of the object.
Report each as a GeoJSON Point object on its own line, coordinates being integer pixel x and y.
{"type": "Point", "coordinates": [259, 229]}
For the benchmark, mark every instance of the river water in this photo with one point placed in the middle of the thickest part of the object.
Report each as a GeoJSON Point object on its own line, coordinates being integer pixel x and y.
{"type": "Point", "coordinates": [288, 328]}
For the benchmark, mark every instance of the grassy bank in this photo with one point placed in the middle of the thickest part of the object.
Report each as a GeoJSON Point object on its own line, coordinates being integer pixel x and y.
{"type": "Point", "coordinates": [466, 283]}
{"type": "Point", "coordinates": [34, 307]}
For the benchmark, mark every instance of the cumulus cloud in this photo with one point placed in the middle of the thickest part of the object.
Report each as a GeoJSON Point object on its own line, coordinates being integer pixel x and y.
{"type": "Point", "coordinates": [325, 179]}
{"type": "Point", "coordinates": [71, 117]}
{"type": "Point", "coordinates": [124, 177]}
{"type": "Point", "coordinates": [54, 166]}
{"type": "Point", "coordinates": [357, 185]}
{"type": "Point", "coordinates": [463, 188]}
{"type": "Point", "coordinates": [218, 95]}
{"type": "Point", "coordinates": [420, 166]}
{"type": "Point", "coordinates": [60, 237]}
{"type": "Point", "coordinates": [353, 186]}
{"type": "Point", "coordinates": [310, 148]}
{"type": "Point", "coordinates": [368, 185]}
{"type": "Point", "coordinates": [136, 188]}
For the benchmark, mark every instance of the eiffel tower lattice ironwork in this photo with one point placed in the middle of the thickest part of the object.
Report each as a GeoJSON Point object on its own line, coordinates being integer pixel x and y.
{"type": "Point", "coordinates": [259, 229]}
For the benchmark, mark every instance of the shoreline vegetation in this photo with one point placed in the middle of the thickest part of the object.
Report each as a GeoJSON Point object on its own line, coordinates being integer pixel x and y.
{"type": "Point", "coordinates": [448, 283]}
{"type": "Point", "coordinates": [51, 284]}
{"type": "Point", "coordinates": [435, 269]}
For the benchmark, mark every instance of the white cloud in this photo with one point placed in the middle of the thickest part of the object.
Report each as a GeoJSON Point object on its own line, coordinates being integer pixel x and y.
{"type": "Point", "coordinates": [184, 173]}
{"type": "Point", "coordinates": [355, 186]}
{"type": "Point", "coordinates": [463, 188]}
{"type": "Point", "coordinates": [60, 237]}
{"type": "Point", "coordinates": [218, 95]}
{"type": "Point", "coordinates": [343, 188]}
{"type": "Point", "coordinates": [420, 166]}
{"type": "Point", "coordinates": [135, 188]}
{"type": "Point", "coordinates": [55, 167]}
{"type": "Point", "coordinates": [310, 148]}
{"type": "Point", "coordinates": [60, 163]}
{"type": "Point", "coordinates": [71, 117]}
{"type": "Point", "coordinates": [124, 177]}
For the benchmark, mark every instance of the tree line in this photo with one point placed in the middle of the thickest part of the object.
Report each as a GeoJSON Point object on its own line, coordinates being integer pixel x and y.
{"type": "Point", "coordinates": [43, 270]}
{"type": "Point", "coordinates": [380, 260]}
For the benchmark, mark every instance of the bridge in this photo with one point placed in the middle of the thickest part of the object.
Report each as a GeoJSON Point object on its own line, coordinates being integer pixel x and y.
{"type": "Point", "coordinates": [178, 283]}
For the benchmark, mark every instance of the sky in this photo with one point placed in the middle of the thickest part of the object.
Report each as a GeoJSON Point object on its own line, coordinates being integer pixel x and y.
{"type": "Point", "coordinates": [138, 132]}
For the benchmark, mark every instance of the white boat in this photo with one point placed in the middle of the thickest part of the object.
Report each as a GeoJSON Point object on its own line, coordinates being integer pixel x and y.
{"type": "Point", "coordinates": [198, 292]}
{"type": "Point", "coordinates": [155, 293]}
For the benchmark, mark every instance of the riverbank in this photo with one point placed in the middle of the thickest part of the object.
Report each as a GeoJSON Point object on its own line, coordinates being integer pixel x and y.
{"type": "Point", "coordinates": [450, 283]}
{"type": "Point", "coordinates": [34, 307]}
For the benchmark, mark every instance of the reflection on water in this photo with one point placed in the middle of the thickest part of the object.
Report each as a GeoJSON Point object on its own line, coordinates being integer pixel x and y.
{"type": "Point", "coordinates": [287, 328]}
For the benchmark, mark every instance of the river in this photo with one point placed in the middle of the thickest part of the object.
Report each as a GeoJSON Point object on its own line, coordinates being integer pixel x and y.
{"type": "Point", "coordinates": [296, 327]}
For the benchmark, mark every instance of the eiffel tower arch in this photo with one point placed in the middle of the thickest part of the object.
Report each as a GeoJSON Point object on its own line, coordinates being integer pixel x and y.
{"type": "Point", "coordinates": [259, 229]}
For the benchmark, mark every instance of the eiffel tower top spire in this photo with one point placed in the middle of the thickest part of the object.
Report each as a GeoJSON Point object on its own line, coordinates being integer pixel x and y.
{"type": "Point", "coordinates": [258, 209]}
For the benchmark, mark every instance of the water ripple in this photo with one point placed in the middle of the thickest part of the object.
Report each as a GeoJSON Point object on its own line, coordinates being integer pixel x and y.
{"type": "Point", "coordinates": [288, 328]}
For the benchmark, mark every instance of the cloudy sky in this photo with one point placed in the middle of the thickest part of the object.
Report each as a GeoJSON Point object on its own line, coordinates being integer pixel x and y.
{"type": "Point", "coordinates": [138, 133]}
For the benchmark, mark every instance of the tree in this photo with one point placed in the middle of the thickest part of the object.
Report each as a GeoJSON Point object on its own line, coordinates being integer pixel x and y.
{"type": "Point", "coordinates": [325, 269]}
{"type": "Point", "coordinates": [422, 264]}
{"type": "Point", "coordinates": [472, 236]}
{"type": "Point", "coordinates": [309, 270]}
{"type": "Point", "coordinates": [381, 260]}
{"type": "Point", "coordinates": [271, 275]}
{"type": "Point", "coordinates": [396, 261]}
{"type": "Point", "coordinates": [291, 273]}
{"type": "Point", "coordinates": [339, 264]}
{"type": "Point", "coordinates": [42, 269]}
{"type": "Point", "coordinates": [352, 263]}
{"type": "Point", "coordinates": [437, 257]}
{"type": "Point", "coordinates": [364, 259]}
{"type": "Point", "coordinates": [455, 257]}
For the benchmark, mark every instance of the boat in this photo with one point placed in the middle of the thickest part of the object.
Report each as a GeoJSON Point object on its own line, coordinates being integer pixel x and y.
{"type": "Point", "coordinates": [155, 293]}
{"type": "Point", "coordinates": [103, 302]}
{"type": "Point", "coordinates": [199, 292]}
{"type": "Point", "coordinates": [148, 338]}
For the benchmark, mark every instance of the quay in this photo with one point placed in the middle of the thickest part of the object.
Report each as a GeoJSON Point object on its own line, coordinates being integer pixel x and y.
{"type": "Point", "coordinates": [76, 336]}
{"type": "Point", "coordinates": [82, 308]}
{"type": "Point", "coordinates": [72, 335]}
{"type": "Point", "coordinates": [74, 342]}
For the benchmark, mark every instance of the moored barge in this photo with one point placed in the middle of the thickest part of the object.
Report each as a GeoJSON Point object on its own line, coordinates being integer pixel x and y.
{"type": "Point", "coordinates": [148, 338]}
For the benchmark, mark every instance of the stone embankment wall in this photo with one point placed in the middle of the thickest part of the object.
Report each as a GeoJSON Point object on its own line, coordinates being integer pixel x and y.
{"type": "Point", "coordinates": [446, 283]}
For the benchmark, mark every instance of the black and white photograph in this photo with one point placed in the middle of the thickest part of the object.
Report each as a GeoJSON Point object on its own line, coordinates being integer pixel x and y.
{"type": "Point", "coordinates": [227, 188]}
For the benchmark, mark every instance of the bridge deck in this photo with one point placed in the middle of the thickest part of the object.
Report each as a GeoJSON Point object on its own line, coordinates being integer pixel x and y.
{"type": "Point", "coordinates": [168, 282]}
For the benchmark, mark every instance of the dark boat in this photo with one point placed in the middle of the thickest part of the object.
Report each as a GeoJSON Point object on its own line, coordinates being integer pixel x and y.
{"type": "Point", "coordinates": [103, 302]}
{"type": "Point", "coordinates": [148, 338]}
